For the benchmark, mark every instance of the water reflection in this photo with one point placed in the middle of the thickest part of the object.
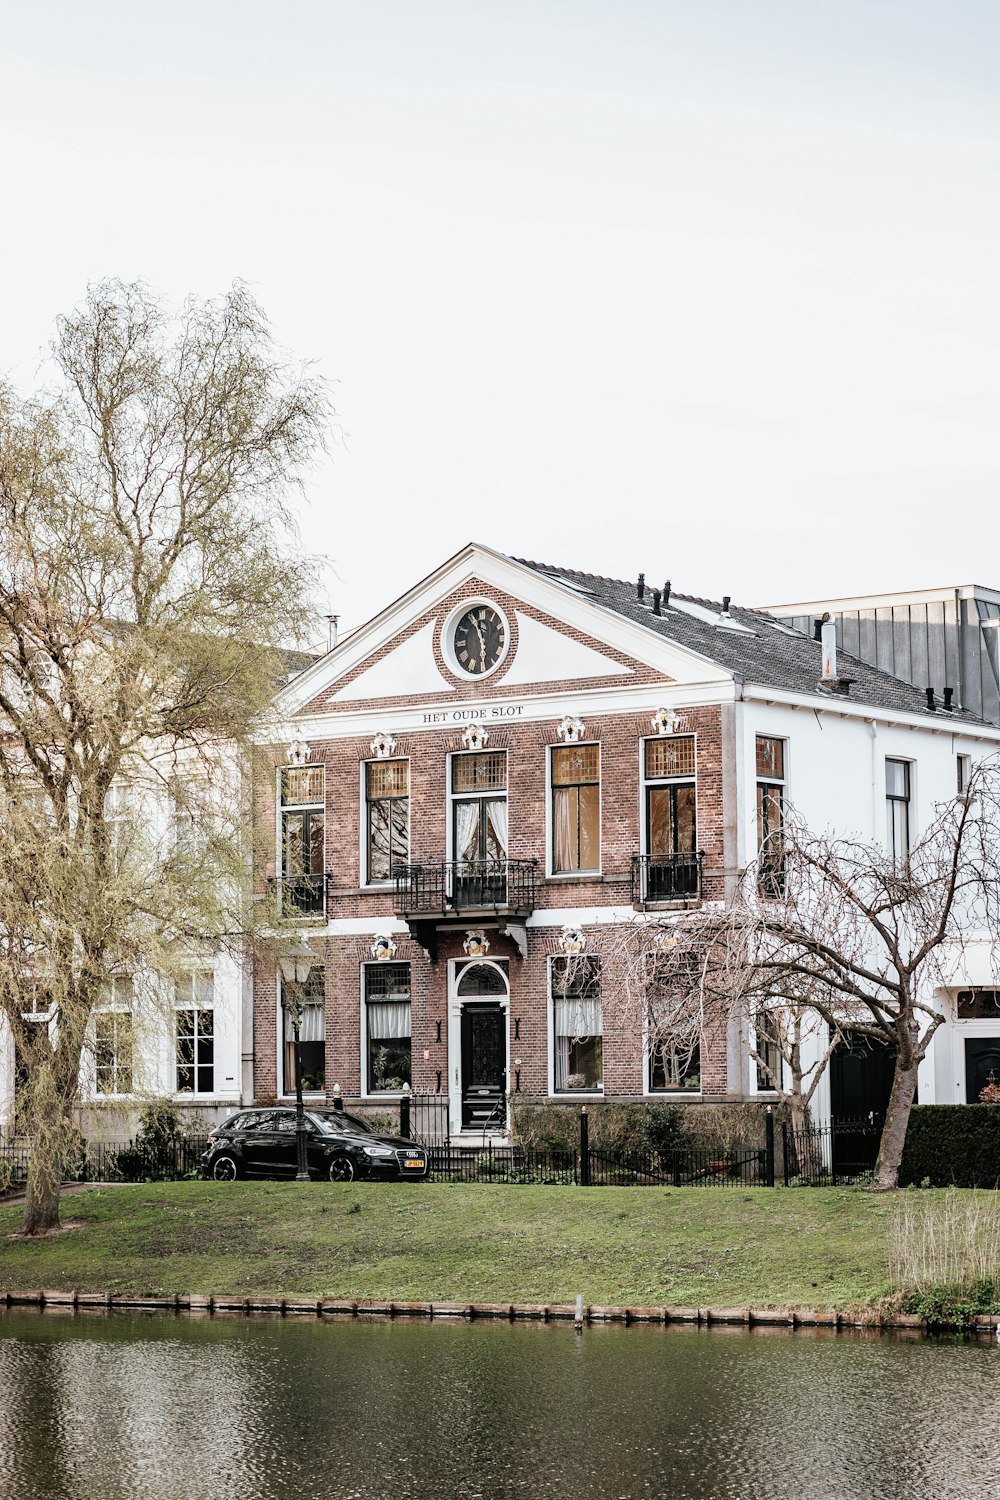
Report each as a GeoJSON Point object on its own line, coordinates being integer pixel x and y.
{"type": "Point", "coordinates": [153, 1408]}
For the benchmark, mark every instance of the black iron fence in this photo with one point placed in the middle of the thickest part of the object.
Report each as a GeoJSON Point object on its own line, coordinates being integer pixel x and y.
{"type": "Point", "coordinates": [110, 1161]}
{"type": "Point", "coordinates": [842, 1152]}
{"type": "Point", "coordinates": [435, 886]}
{"type": "Point", "coordinates": [666, 877]}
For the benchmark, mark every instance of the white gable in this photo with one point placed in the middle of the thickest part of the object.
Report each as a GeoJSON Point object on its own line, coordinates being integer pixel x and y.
{"type": "Point", "coordinates": [409, 671]}
{"type": "Point", "coordinates": [546, 655]}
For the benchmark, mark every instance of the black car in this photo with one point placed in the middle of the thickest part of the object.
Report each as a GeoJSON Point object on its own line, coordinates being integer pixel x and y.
{"type": "Point", "coordinates": [339, 1147]}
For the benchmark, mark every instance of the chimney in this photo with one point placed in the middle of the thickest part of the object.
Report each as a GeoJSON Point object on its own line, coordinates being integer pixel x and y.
{"type": "Point", "coordinates": [332, 622]}
{"type": "Point", "coordinates": [828, 640]}
{"type": "Point", "coordinates": [640, 588]}
{"type": "Point", "coordinates": [656, 601]}
{"type": "Point", "coordinates": [666, 594]}
{"type": "Point", "coordinates": [817, 630]}
{"type": "Point", "coordinates": [948, 694]}
{"type": "Point", "coordinates": [725, 605]}
{"type": "Point", "coordinates": [930, 698]}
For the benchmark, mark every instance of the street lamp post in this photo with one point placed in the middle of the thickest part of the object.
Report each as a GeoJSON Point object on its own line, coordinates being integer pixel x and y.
{"type": "Point", "coordinates": [294, 964]}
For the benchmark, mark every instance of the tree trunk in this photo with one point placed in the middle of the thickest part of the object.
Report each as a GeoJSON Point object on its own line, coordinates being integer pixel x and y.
{"type": "Point", "coordinates": [897, 1118]}
{"type": "Point", "coordinates": [41, 1206]}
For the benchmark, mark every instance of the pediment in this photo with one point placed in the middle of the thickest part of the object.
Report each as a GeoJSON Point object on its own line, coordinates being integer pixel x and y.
{"type": "Point", "coordinates": [554, 639]}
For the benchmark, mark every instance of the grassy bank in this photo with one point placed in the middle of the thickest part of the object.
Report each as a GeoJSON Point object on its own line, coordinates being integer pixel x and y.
{"type": "Point", "coordinates": [815, 1247]}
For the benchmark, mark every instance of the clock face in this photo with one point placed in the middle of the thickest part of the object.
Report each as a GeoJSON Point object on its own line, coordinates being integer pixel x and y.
{"type": "Point", "coordinates": [479, 639]}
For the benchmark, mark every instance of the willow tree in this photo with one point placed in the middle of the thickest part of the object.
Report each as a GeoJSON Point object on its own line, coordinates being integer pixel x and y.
{"type": "Point", "coordinates": [149, 581]}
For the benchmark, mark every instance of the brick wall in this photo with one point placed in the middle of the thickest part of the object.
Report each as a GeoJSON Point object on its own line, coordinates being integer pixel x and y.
{"type": "Point", "coordinates": [527, 746]}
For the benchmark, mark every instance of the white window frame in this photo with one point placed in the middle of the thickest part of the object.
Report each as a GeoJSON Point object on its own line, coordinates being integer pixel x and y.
{"type": "Point", "coordinates": [279, 1032]}
{"type": "Point", "coordinates": [668, 1095]}
{"type": "Point", "coordinates": [551, 873]}
{"type": "Point", "coordinates": [115, 1006]}
{"type": "Point", "coordinates": [194, 1005]}
{"type": "Point", "coordinates": [755, 1091]}
{"type": "Point", "coordinates": [567, 1094]}
{"type": "Point", "coordinates": [366, 881]}
{"type": "Point", "coordinates": [366, 1090]}
{"type": "Point", "coordinates": [279, 841]}
{"type": "Point", "coordinates": [911, 800]}
{"type": "Point", "coordinates": [453, 797]}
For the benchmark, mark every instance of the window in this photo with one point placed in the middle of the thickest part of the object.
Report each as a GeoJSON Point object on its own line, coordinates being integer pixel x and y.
{"type": "Point", "coordinates": [671, 823]}
{"type": "Point", "coordinates": [479, 828]}
{"type": "Point", "coordinates": [195, 1038]}
{"type": "Point", "coordinates": [312, 1034]}
{"type": "Point", "coordinates": [387, 799]}
{"type": "Point", "coordinates": [674, 1068]}
{"type": "Point", "coordinates": [113, 1040]}
{"type": "Point", "coordinates": [576, 808]}
{"type": "Point", "coordinates": [963, 770]}
{"type": "Point", "coordinates": [673, 1021]}
{"type": "Point", "coordinates": [387, 1027]}
{"type": "Point", "coordinates": [768, 1063]}
{"type": "Point", "coordinates": [897, 810]}
{"type": "Point", "coordinates": [122, 815]}
{"type": "Point", "coordinates": [770, 815]}
{"type": "Point", "coordinates": [978, 1005]}
{"type": "Point", "coordinates": [303, 853]}
{"type": "Point", "coordinates": [577, 1024]}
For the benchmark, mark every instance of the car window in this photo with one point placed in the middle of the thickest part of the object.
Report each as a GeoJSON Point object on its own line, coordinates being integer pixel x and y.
{"type": "Point", "coordinates": [338, 1122]}
{"type": "Point", "coordinates": [262, 1121]}
{"type": "Point", "coordinates": [285, 1124]}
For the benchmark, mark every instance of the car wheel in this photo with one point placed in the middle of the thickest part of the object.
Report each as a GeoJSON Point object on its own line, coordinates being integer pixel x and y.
{"type": "Point", "coordinates": [341, 1169]}
{"type": "Point", "coordinates": [225, 1169]}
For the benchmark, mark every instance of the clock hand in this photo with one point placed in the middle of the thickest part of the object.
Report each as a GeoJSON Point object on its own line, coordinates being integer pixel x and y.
{"type": "Point", "coordinates": [482, 640]}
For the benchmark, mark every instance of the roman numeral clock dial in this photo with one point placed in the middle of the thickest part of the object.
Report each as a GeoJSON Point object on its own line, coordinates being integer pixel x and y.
{"type": "Point", "coordinates": [478, 640]}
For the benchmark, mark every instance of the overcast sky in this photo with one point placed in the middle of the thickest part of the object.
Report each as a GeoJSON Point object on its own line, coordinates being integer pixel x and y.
{"type": "Point", "coordinates": [707, 288]}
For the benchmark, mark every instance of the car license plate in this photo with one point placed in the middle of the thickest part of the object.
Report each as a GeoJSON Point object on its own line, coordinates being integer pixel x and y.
{"type": "Point", "coordinates": [417, 1162]}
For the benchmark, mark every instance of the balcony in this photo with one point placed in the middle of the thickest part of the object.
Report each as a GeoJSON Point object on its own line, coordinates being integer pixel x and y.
{"type": "Point", "coordinates": [302, 898]}
{"type": "Point", "coordinates": [666, 877]}
{"type": "Point", "coordinates": [457, 887]}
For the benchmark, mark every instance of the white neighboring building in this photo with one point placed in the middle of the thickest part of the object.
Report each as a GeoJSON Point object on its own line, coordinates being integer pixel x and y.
{"type": "Point", "coordinates": [186, 1039]}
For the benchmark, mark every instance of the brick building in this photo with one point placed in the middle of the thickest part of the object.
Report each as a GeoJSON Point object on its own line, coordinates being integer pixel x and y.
{"type": "Point", "coordinates": [513, 759]}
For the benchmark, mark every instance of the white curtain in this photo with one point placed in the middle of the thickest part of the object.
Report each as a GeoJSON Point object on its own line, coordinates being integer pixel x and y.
{"type": "Point", "coordinates": [386, 1020]}
{"type": "Point", "coordinates": [497, 814]}
{"type": "Point", "coordinates": [564, 855]}
{"type": "Point", "coordinates": [578, 1018]}
{"type": "Point", "coordinates": [467, 830]}
{"type": "Point", "coordinates": [313, 1025]}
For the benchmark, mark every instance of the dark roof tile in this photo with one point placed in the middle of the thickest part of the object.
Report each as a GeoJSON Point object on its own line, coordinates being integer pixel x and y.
{"type": "Point", "coordinates": [771, 655]}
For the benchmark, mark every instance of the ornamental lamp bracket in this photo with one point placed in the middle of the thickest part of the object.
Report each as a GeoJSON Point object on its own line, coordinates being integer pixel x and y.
{"type": "Point", "coordinates": [474, 737]}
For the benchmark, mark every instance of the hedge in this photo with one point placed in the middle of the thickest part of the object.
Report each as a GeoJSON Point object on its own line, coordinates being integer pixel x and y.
{"type": "Point", "coordinates": [952, 1145]}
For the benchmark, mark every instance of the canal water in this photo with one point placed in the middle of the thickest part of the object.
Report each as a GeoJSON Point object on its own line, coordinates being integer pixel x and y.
{"type": "Point", "coordinates": [96, 1407]}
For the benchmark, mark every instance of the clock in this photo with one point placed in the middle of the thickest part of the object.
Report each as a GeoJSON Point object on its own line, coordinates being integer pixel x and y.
{"type": "Point", "coordinates": [478, 640]}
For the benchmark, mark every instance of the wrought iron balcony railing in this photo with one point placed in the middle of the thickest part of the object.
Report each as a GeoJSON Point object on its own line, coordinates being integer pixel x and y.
{"type": "Point", "coordinates": [666, 877]}
{"type": "Point", "coordinates": [300, 896]}
{"type": "Point", "coordinates": [461, 885]}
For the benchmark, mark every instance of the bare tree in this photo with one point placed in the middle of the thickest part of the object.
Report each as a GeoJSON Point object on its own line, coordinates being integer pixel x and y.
{"type": "Point", "coordinates": [148, 577]}
{"type": "Point", "coordinates": [827, 934]}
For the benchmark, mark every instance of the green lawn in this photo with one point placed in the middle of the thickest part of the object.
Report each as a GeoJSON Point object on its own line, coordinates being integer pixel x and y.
{"type": "Point", "coordinates": [460, 1242]}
